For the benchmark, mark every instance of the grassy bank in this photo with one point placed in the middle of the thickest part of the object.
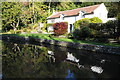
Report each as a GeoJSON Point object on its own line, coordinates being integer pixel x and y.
{"type": "Point", "coordinates": [47, 36]}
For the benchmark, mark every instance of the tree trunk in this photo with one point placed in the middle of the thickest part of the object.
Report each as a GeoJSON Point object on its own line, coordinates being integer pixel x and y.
{"type": "Point", "coordinates": [17, 23]}
{"type": "Point", "coordinates": [33, 11]}
{"type": "Point", "coordinates": [49, 7]}
{"type": "Point", "coordinates": [15, 26]}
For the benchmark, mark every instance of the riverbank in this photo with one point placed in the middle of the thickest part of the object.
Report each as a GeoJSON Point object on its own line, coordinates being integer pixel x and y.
{"type": "Point", "coordinates": [71, 44]}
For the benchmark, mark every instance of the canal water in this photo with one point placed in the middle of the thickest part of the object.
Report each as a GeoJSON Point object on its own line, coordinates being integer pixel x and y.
{"type": "Point", "coordinates": [32, 60]}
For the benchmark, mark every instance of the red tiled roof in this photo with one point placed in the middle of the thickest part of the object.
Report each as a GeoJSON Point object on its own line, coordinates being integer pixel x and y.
{"type": "Point", "coordinates": [88, 9]}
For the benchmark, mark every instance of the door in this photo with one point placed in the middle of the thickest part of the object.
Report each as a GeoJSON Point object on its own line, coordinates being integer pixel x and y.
{"type": "Point", "coordinates": [71, 28]}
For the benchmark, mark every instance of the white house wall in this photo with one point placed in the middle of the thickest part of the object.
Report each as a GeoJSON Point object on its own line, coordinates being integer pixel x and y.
{"type": "Point", "coordinates": [101, 12]}
{"type": "Point", "coordinates": [53, 20]}
{"type": "Point", "coordinates": [89, 16]}
{"type": "Point", "coordinates": [49, 21]}
{"type": "Point", "coordinates": [70, 19]}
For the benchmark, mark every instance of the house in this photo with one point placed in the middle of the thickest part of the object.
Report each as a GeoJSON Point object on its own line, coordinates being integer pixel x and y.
{"type": "Point", "coordinates": [73, 15]}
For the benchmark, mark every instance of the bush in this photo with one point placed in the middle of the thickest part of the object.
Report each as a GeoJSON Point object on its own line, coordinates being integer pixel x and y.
{"type": "Point", "coordinates": [85, 22]}
{"type": "Point", "coordinates": [82, 33]}
{"type": "Point", "coordinates": [70, 35]}
{"type": "Point", "coordinates": [109, 29]}
{"type": "Point", "coordinates": [49, 24]}
{"type": "Point", "coordinates": [81, 23]}
{"type": "Point", "coordinates": [46, 26]}
{"type": "Point", "coordinates": [11, 31]}
{"type": "Point", "coordinates": [118, 16]}
{"type": "Point", "coordinates": [112, 28]}
{"type": "Point", "coordinates": [95, 29]}
{"type": "Point", "coordinates": [35, 26]}
{"type": "Point", "coordinates": [95, 20]}
{"type": "Point", "coordinates": [60, 28]}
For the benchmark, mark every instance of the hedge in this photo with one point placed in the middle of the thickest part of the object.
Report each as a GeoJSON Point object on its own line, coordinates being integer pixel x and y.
{"type": "Point", "coordinates": [60, 28]}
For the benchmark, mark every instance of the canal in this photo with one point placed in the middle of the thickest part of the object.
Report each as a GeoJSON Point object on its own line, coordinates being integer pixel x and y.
{"type": "Point", "coordinates": [32, 60]}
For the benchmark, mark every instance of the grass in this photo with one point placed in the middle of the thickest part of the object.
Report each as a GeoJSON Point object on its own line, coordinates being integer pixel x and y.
{"type": "Point", "coordinates": [47, 36]}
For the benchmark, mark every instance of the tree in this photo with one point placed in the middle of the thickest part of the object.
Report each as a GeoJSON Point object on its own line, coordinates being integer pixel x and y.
{"type": "Point", "coordinates": [18, 14]}
{"type": "Point", "coordinates": [11, 15]}
{"type": "Point", "coordinates": [113, 9]}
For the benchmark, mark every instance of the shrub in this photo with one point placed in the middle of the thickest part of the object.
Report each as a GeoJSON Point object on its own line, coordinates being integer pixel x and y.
{"type": "Point", "coordinates": [18, 31]}
{"type": "Point", "coordinates": [85, 22]}
{"type": "Point", "coordinates": [70, 35]}
{"type": "Point", "coordinates": [35, 26]}
{"type": "Point", "coordinates": [112, 28]}
{"type": "Point", "coordinates": [118, 16]}
{"type": "Point", "coordinates": [95, 20]}
{"type": "Point", "coordinates": [81, 23]}
{"type": "Point", "coordinates": [46, 26]}
{"type": "Point", "coordinates": [82, 33]}
{"type": "Point", "coordinates": [85, 32]}
{"type": "Point", "coordinates": [109, 29]}
{"type": "Point", "coordinates": [49, 24]}
{"type": "Point", "coordinates": [60, 28]}
{"type": "Point", "coordinates": [11, 31]}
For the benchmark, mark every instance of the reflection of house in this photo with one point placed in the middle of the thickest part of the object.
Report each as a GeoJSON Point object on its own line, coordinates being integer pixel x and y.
{"type": "Point", "coordinates": [72, 58]}
{"type": "Point", "coordinates": [97, 69]}
{"type": "Point", "coordinates": [71, 16]}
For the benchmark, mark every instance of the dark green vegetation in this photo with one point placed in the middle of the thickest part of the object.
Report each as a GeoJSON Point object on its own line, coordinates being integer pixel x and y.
{"type": "Point", "coordinates": [92, 29]}
{"type": "Point", "coordinates": [32, 61]}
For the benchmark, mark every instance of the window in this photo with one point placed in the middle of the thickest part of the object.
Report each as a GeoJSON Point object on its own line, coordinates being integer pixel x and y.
{"type": "Point", "coordinates": [53, 20]}
{"type": "Point", "coordinates": [62, 16]}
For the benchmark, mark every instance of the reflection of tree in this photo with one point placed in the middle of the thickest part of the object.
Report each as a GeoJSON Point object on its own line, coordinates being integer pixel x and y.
{"type": "Point", "coordinates": [22, 58]}
{"type": "Point", "coordinates": [32, 61]}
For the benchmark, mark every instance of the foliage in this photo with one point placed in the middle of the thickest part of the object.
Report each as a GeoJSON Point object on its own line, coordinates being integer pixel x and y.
{"type": "Point", "coordinates": [34, 26]}
{"type": "Point", "coordinates": [81, 23]}
{"type": "Point", "coordinates": [60, 28]}
{"type": "Point", "coordinates": [118, 16]}
{"type": "Point", "coordinates": [11, 15]}
{"type": "Point", "coordinates": [112, 28]}
{"type": "Point", "coordinates": [95, 20]}
{"type": "Point", "coordinates": [67, 6]}
{"type": "Point", "coordinates": [108, 30]}
{"type": "Point", "coordinates": [44, 28]}
{"type": "Point", "coordinates": [113, 9]}
{"type": "Point", "coordinates": [15, 15]}
{"type": "Point", "coordinates": [96, 29]}
{"type": "Point", "coordinates": [49, 24]}
{"type": "Point", "coordinates": [70, 35]}
{"type": "Point", "coordinates": [82, 33]}
{"type": "Point", "coordinates": [85, 22]}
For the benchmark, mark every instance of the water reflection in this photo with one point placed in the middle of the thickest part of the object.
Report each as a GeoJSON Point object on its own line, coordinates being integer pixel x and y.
{"type": "Point", "coordinates": [74, 61]}
{"type": "Point", "coordinates": [46, 61]}
{"type": "Point", "coordinates": [70, 75]}
{"type": "Point", "coordinates": [72, 58]}
{"type": "Point", "coordinates": [97, 69]}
